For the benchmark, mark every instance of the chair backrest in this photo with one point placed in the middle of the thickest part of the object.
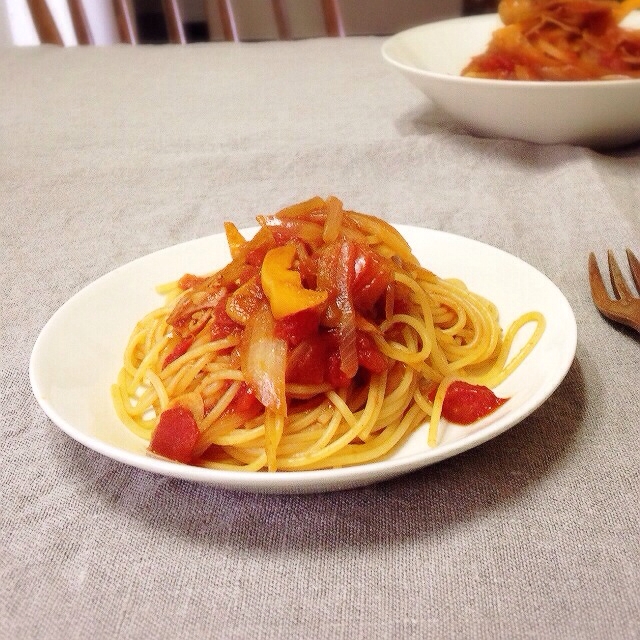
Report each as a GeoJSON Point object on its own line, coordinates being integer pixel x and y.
{"type": "Point", "coordinates": [46, 27]}
{"type": "Point", "coordinates": [62, 22]}
{"type": "Point", "coordinates": [227, 17]}
{"type": "Point", "coordinates": [78, 21]}
{"type": "Point", "coordinates": [50, 17]}
{"type": "Point", "coordinates": [272, 19]}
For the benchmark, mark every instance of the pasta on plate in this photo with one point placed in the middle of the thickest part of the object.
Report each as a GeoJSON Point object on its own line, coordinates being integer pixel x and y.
{"type": "Point", "coordinates": [560, 40]}
{"type": "Point", "coordinates": [322, 344]}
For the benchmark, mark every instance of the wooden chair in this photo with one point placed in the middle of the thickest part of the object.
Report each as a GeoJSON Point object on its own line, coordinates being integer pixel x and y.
{"type": "Point", "coordinates": [49, 33]}
{"type": "Point", "coordinates": [43, 21]}
{"type": "Point", "coordinates": [224, 18]}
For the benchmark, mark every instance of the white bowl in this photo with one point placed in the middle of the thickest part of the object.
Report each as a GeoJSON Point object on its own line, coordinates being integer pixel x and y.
{"type": "Point", "coordinates": [596, 113]}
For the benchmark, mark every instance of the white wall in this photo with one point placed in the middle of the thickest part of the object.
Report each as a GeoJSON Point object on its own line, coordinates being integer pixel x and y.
{"type": "Point", "coordinates": [386, 16]}
{"type": "Point", "coordinates": [18, 27]}
{"type": "Point", "coordinates": [5, 27]}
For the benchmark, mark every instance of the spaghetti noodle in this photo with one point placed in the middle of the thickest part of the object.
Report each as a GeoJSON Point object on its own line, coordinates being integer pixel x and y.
{"type": "Point", "coordinates": [560, 40]}
{"type": "Point", "coordinates": [323, 343]}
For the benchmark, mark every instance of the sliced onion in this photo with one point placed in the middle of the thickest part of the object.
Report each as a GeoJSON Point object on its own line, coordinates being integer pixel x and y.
{"type": "Point", "coordinates": [347, 318]}
{"type": "Point", "coordinates": [302, 209]}
{"type": "Point", "coordinates": [333, 223]}
{"type": "Point", "coordinates": [289, 228]}
{"type": "Point", "coordinates": [263, 360]}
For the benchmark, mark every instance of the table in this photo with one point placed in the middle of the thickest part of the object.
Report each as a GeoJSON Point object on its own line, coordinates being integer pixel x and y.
{"type": "Point", "coordinates": [108, 154]}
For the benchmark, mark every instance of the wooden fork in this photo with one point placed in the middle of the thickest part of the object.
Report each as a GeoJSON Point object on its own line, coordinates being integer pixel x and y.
{"type": "Point", "coordinates": [625, 308]}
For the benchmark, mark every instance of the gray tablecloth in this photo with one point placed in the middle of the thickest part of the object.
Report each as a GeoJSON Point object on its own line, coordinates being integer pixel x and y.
{"type": "Point", "coordinates": [534, 534]}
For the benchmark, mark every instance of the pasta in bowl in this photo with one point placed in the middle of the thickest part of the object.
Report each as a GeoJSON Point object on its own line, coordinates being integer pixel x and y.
{"type": "Point", "coordinates": [560, 40]}
{"type": "Point", "coordinates": [503, 95]}
{"type": "Point", "coordinates": [323, 343]}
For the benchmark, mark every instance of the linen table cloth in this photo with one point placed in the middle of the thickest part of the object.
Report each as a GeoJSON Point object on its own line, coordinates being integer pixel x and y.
{"type": "Point", "coordinates": [107, 154]}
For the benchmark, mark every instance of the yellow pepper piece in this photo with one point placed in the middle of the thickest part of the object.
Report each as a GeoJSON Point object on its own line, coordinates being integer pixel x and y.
{"type": "Point", "coordinates": [283, 285]}
{"type": "Point", "coordinates": [234, 238]}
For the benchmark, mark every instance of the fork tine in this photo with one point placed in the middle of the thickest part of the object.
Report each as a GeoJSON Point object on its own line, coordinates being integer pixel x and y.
{"type": "Point", "coordinates": [626, 309]}
{"type": "Point", "coordinates": [598, 290]}
{"type": "Point", "coordinates": [619, 284]}
{"type": "Point", "coordinates": [634, 267]}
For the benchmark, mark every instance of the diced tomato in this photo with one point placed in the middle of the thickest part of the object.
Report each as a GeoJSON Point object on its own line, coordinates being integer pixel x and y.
{"type": "Point", "coordinates": [306, 362]}
{"type": "Point", "coordinates": [465, 403]}
{"type": "Point", "coordinates": [335, 376]}
{"type": "Point", "coordinates": [401, 305]}
{"type": "Point", "coordinates": [245, 402]}
{"type": "Point", "coordinates": [298, 326]}
{"type": "Point", "coordinates": [369, 356]}
{"type": "Point", "coordinates": [221, 324]}
{"type": "Point", "coordinates": [175, 435]}
{"type": "Point", "coordinates": [373, 275]}
{"type": "Point", "coordinates": [180, 349]}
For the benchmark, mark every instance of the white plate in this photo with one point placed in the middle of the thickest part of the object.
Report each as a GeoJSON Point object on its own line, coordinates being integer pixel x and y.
{"type": "Point", "coordinates": [598, 113]}
{"type": "Point", "coordinates": [79, 352]}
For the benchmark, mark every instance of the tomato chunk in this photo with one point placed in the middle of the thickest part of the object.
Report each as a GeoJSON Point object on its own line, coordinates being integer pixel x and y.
{"type": "Point", "coordinates": [307, 362]}
{"type": "Point", "coordinates": [298, 326]}
{"type": "Point", "coordinates": [222, 325]}
{"type": "Point", "coordinates": [465, 403]}
{"type": "Point", "coordinates": [175, 435]}
{"type": "Point", "coordinates": [245, 402]}
{"type": "Point", "coordinates": [335, 376]}
{"type": "Point", "coordinates": [372, 276]}
{"type": "Point", "coordinates": [369, 356]}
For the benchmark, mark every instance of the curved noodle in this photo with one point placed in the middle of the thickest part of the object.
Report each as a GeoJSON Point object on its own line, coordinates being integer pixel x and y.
{"type": "Point", "coordinates": [323, 343]}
